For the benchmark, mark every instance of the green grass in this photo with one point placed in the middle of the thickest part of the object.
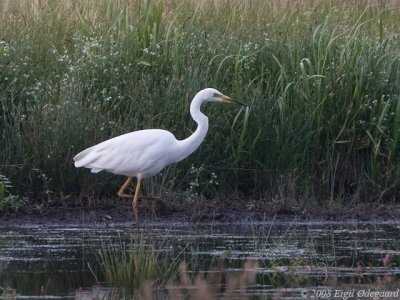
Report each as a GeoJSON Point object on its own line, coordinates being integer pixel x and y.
{"type": "Point", "coordinates": [131, 265]}
{"type": "Point", "coordinates": [321, 78]}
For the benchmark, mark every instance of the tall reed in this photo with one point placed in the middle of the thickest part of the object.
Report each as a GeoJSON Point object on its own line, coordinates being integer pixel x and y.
{"type": "Point", "coordinates": [321, 79]}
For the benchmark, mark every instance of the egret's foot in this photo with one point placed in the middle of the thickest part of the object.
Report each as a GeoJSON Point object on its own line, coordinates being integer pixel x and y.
{"type": "Point", "coordinates": [135, 202]}
{"type": "Point", "coordinates": [136, 213]}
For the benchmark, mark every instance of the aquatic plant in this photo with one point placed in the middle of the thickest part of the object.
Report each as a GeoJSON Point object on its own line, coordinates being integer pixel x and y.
{"type": "Point", "coordinates": [141, 275]}
{"type": "Point", "coordinates": [130, 265]}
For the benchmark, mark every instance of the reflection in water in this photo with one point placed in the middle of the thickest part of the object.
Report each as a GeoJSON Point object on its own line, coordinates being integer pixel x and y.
{"type": "Point", "coordinates": [53, 260]}
{"type": "Point", "coordinates": [94, 292]}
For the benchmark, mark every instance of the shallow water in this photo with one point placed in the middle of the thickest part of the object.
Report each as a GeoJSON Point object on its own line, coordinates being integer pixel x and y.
{"type": "Point", "coordinates": [52, 261]}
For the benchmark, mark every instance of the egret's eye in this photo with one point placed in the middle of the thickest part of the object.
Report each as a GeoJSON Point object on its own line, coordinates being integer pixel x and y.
{"type": "Point", "coordinates": [215, 95]}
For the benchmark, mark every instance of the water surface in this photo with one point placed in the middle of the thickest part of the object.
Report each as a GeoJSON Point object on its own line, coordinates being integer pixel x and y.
{"type": "Point", "coordinates": [52, 261]}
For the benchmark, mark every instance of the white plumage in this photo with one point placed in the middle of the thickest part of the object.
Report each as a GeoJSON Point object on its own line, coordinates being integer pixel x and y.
{"type": "Point", "coordinates": [144, 153]}
{"type": "Point", "coordinates": [124, 154]}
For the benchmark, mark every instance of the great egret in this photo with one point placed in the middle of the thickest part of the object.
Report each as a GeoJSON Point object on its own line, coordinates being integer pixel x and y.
{"type": "Point", "coordinates": [144, 153]}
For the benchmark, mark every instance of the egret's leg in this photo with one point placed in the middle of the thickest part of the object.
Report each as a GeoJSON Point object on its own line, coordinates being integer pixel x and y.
{"type": "Point", "coordinates": [135, 201]}
{"type": "Point", "coordinates": [121, 192]}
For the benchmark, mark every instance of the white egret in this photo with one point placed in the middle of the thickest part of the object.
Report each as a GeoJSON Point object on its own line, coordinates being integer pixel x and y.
{"type": "Point", "coordinates": [144, 153]}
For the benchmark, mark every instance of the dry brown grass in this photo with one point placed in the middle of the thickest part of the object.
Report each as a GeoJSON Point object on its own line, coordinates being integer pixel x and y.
{"type": "Point", "coordinates": [89, 9]}
{"type": "Point", "coordinates": [217, 285]}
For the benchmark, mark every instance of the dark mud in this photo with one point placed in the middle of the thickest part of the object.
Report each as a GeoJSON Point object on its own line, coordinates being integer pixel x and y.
{"type": "Point", "coordinates": [201, 211]}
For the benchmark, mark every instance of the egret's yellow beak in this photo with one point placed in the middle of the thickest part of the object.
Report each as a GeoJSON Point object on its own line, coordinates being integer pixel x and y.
{"type": "Point", "coordinates": [227, 99]}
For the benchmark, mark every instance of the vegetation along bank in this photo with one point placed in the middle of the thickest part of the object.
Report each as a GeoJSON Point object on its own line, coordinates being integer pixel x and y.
{"type": "Point", "coordinates": [322, 80]}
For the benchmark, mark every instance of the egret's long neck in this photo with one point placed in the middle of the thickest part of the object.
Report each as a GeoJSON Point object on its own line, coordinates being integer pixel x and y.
{"type": "Point", "coordinates": [189, 145]}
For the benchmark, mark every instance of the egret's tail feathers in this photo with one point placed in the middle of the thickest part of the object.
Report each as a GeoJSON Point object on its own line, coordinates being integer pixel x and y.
{"type": "Point", "coordinates": [86, 159]}
{"type": "Point", "coordinates": [82, 158]}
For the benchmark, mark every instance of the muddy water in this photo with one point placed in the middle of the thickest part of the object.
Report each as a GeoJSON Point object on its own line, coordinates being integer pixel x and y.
{"type": "Point", "coordinates": [52, 261]}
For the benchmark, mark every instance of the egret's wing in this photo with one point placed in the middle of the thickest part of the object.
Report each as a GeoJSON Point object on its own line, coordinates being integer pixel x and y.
{"type": "Point", "coordinates": [128, 154]}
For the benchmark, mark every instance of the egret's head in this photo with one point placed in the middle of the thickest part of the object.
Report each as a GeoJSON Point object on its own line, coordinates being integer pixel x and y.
{"type": "Point", "coordinates": [213, 95]}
